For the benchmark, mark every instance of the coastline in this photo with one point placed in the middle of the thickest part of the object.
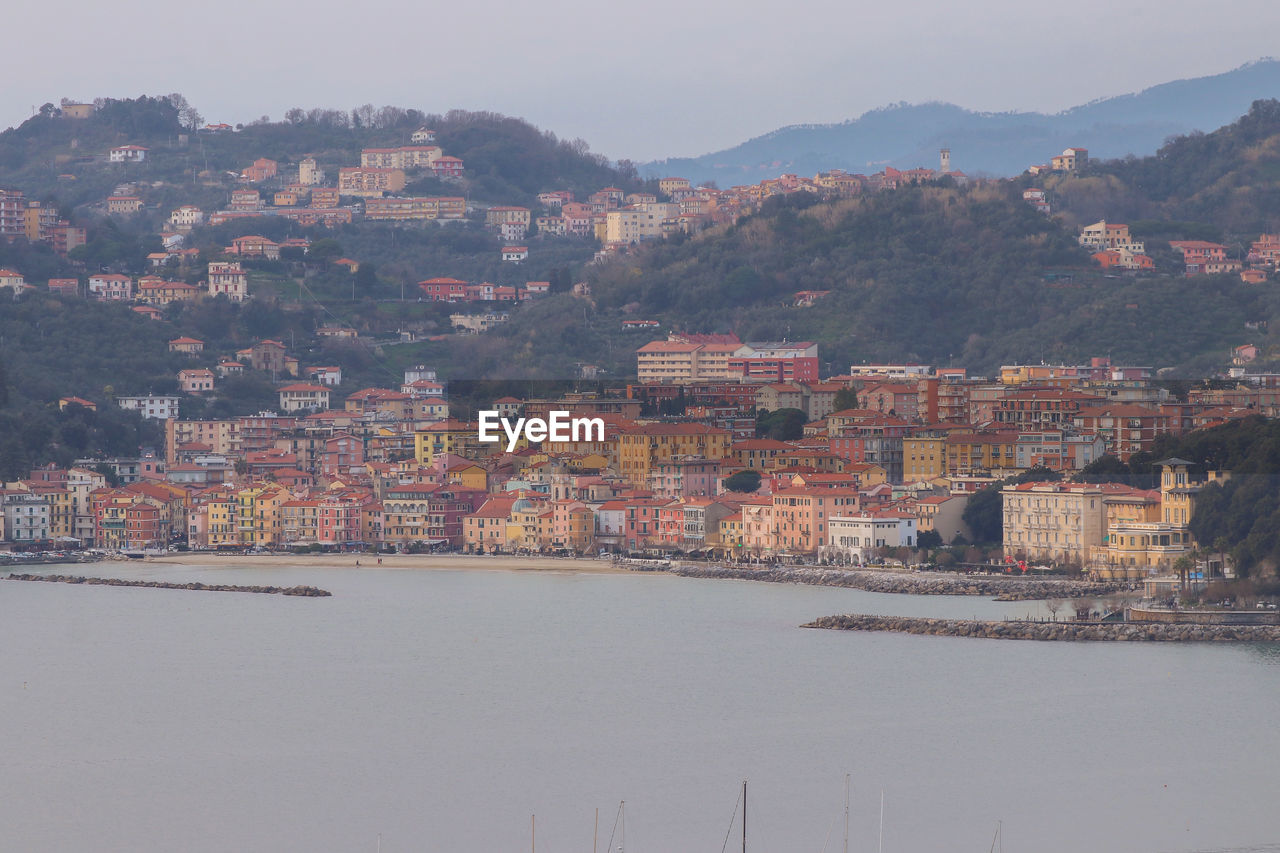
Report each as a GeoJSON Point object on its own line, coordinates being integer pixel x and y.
{"type": "Point", "coordinates": [430, 562]}
{"type": "Point", "coordinates": [915, 583]}
{"type": "Point", "coordinates": [1167, 632]}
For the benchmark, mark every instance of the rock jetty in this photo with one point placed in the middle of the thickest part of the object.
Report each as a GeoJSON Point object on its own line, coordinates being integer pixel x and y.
{"type": "Point", "coordinates": [305, 591]}
{"type": "Point", "coordinates": [1022, 630]}
{"type": "Point", "coordinates": [913, 583]}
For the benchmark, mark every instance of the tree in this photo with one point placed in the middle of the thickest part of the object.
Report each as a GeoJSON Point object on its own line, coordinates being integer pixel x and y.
{"type": "Point", "coordinates": [747, 480]}
{"type": "Point", "coordinates": [781, 424]}
{"type": "Point", "coordinates": [1083, 607]}
{"type": "Point", "coordinates": [846, 398]}
{"type": "Point", "coordinates": [1053, 605]}
{"type": "Point", "coordinates": [4, 387]}
{"type": "Point", "coordinates": [929, 539]}
{"type": "Point", "coordinates": [1183, 566]}
{"type": "Point", "coordinates": [984, 514]}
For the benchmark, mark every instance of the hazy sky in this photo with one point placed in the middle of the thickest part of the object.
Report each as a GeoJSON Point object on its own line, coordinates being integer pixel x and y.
{"type": "Point", "coordinates": [639, 80]}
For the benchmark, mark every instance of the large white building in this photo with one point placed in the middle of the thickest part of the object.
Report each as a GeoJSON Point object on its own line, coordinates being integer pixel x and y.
{"type": "Point", "coordinates": [151, 406]}
{"type": "Point", "coordinates": [26, 518]}
{"type": "Point", "coordinates": [855, 538]}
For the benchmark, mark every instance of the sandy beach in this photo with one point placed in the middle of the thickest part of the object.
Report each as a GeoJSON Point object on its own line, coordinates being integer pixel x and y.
{"type": "Point", "coordinates": [439, 562]}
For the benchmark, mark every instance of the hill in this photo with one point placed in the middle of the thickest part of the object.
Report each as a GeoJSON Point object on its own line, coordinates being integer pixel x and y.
{"type": "Point", "coordinates": [508, 160]}
{"type": "Point", "coordinates": [907, 136]}
{"type": "Point", "coordinates": [1224, 185]}
{"type": "Point", "coordinates": [937, 274]}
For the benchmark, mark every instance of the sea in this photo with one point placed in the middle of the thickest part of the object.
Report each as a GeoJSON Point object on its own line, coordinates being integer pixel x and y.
{"type": "Point", "coordinates": [476, 711]}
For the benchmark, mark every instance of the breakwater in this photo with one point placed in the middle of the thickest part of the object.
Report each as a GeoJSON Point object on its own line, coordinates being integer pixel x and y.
{"type": "Point", "coordinates": [305, 591]}
{"type": "Point", "coordinates": [913, 583]}
{"type": "Point", "coordinates": [1021, 630]}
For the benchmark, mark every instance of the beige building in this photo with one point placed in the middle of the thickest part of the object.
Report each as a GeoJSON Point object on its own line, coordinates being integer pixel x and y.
{"type": "Point", "coordinates": [229, 279]}
{"type": "Point", "coordinates": [677, 361]}
{"type": "Point", "coordinates": [1055, 522]}
{"type": "Point", "coordinates": [638, 222]}
{"type": "Point", "coordinates": [1110, 235]}
{"type": "Point", "coordinates": [369, 182]}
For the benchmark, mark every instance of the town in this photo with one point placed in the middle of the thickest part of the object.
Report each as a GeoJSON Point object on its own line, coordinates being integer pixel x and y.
{"type": "Point", "coordinates": [878, 462]}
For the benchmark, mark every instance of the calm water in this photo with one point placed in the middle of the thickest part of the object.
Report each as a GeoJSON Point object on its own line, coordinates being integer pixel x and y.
{"type": "Point", "coordinates": [441, 709]}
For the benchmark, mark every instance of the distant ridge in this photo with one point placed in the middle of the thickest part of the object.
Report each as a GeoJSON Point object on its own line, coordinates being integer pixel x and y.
{"type": "Point", "coordinates": [908, 135]}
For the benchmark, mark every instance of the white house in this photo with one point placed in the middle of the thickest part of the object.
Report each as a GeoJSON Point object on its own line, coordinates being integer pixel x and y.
{"type": "Point", "coordinates": [128, 154]}
{"type": "Point", "coordinates": [151, 405]}
{"type": "Point", "coordinates": [303, 395]}
{"type": "Point", "coordinates": [856, 537]}
{"type": "Point", "coordinates": [187, 216]}
{"type": "Point", "coordinates": [515, 254]}
{"type": "Point", "coordinates": [26, 518]}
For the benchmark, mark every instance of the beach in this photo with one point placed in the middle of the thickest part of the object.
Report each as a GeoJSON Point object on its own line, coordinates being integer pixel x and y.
{"type": "Point", "coordinates": [449, 562]}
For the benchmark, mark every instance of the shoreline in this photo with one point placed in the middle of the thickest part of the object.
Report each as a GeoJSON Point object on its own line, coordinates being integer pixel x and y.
{"type": "Point", "coordinates": [1166, 632]}
{"type": "Point", "coordinates": [916, 583]}
{"type": "Point", "coordinates": [430, 562]}
{"type": "Point", "coordinates": [867, 580]}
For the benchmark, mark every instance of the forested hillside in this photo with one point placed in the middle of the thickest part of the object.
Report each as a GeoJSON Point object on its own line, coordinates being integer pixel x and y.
{"type": "Point", "coordinates": [1226, 182]}
{"type": "Point", "coordinates": [966, 276]}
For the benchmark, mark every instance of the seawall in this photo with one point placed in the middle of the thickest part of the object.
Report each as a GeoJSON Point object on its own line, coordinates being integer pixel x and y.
{"type": "Point", "coordinates": [305, 591]}
{"type": "Point", "coordinates": [913, 583]}
{"type": "Point", "coordinates": [1019, 630]}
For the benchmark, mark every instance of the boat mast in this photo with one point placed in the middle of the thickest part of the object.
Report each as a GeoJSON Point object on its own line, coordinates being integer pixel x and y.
{"type": "Point", "coordinates": [744, 816]}
{"type": "Point", "coordinates": [846, 813]}
{"type": "Point", "coordinates": [882, 820]}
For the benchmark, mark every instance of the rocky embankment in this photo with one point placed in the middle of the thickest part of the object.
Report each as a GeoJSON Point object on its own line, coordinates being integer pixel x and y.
{"type": "Point", "coordinates": [1112, 631]}
{"type": "Point", "coordinates": [305, 591]}
{"type": "Point", "coordinates": [914, 583]}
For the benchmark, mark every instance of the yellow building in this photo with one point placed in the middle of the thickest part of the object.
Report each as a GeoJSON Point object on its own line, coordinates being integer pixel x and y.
{"type": "Point", "coordinates": [923, 458]}
{"type": "Point", "coordinates": [1147, 531]}
{"type": "Point", "coordinates": [221, 528]}
{"type": "Point", "coordinates": [258, 516]}
{"type": "Point", "coordinates": [969, 453]}
{"type": "Point", "coordinates": [639, 447]}
{"type": "Point", "coordinates": [447, 436]}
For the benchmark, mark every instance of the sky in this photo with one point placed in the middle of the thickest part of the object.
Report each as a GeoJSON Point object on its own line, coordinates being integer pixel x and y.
{"type": "Point", "coordinates": [635, 80]}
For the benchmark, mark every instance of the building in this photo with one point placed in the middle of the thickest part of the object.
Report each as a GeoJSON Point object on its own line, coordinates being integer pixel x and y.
{"type": "Point", "coordinates": [369, 182]}
{"type": "Point", "coordinates": [1103, 235]}
{"type": "Point", "coordinates": [226, 278]}
{"type": "Point", "coordinates": [128, 154]}
{"type": "Point", "coordinates": [154, 406]}
{"type": "Point", "coordinates": [123, 205]}
{"type": "Point", "coordinates": [196, 381]}
{"type": "Point", "coordinates": [191, 346]}
{"type": "Point", "coordinates": [856, 538]}
{"type": "Point", "coordinates": [641, 447]}
{"type": "Point", "coordinates": [1055, 522]}
{"type": "Point", "coordinates": [110, 287]}
{"type": "Point", "coordinates": [1070, 160]}
{"type": "Point", "coordinates": [301, 396]}
{"type": "Point", "coordinates": [27, 518]}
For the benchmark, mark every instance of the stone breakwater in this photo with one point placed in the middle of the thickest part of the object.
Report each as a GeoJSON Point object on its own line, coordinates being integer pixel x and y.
{"type": "Point", "coordinates": [1112, 631]}
{"type": "Point", "coordinates": [305, 591]}
{"type": "Point", "coordinates": [914, 583]}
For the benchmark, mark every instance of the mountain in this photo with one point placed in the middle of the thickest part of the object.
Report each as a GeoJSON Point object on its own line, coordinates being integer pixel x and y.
{"type": "Point", "coordinates": [907, 136]}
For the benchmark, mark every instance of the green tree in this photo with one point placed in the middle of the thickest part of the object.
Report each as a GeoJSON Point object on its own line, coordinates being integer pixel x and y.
{"type": "Point", "coordinates": [846, 398]}
{"type": "Point", "coordinates": [746, 480]}
{"type": "Point", "coordinates": [781, 424]}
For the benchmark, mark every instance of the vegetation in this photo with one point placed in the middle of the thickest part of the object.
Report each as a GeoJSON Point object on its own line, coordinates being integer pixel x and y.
{"type": "Point", "coordinates": [747, 480]}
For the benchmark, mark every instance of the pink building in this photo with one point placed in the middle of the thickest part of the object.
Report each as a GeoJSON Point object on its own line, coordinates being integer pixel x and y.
{"type": "Point", "coordinates": [685, 477]}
